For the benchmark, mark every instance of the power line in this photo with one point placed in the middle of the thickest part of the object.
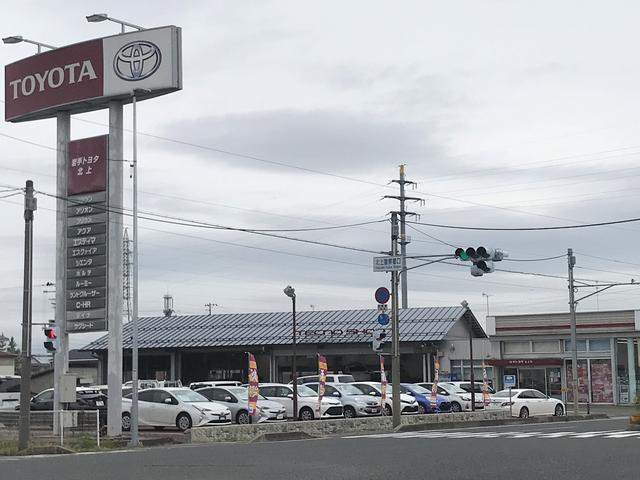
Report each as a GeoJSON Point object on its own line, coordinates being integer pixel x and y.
{"type": "Point", "coordinates": [608, 259]}
{"type": "Point", "coordinates": [529, 229]}
{"type": "Point", "coordinates": [533, 259]}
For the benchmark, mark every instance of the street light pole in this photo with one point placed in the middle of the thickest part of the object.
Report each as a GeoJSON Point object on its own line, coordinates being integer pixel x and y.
{"type": "Point", "coordinates": [20, 38]}
{"type": "Point", "coordinates": [134, 315]}
{"type": "Point", "coordinates": [101, 17]}
{"type": "Point", "coordinates": [571, 260]}
{"type": "Point", "coordinates": [290, 292]}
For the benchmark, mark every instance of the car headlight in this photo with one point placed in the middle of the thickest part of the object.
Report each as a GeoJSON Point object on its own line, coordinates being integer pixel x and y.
{"type": "Point", "coordinates": [466, 399]}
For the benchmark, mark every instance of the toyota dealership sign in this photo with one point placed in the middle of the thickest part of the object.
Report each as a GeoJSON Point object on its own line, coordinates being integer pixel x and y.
{"type": "Point", "coordinates": [85, 76]}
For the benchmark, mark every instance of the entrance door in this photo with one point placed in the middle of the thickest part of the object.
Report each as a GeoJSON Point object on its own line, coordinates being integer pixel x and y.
{"type": "Point", "coordinates": [533, 378]}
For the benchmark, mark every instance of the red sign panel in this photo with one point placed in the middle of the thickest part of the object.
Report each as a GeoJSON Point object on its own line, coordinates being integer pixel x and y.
{"type": "Point", "coordinates": [87, 165]}
{"type": "Point", "coordinates": [57, 77]}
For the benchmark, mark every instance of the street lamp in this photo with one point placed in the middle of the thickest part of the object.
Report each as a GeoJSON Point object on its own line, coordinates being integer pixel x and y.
{"type": "Point", "coordinates": [134, 337]}
{"type": "Point", "coordinates": [101, 17]}
{"type": "Point", "coordinates": [487, 295]}
{"type": "Point", "coordinates": [20, 38]}
{"type": "Point", "coordinates": [290, 292]}
{"type": "Point", "coordinates": [465, 305]}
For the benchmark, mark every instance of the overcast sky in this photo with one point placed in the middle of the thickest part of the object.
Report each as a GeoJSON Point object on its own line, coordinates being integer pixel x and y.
{"type": "Point", "coordinates": [506, 113]}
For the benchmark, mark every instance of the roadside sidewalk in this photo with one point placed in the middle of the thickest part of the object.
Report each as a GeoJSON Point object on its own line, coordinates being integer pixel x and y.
{"type": "Point", "coordinates": [610, 410]}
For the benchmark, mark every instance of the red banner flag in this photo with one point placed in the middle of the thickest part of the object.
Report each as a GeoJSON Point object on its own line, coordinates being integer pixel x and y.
{"type": "Point", "coordinates": [253, 390]}
{"type": "Point", "coordinates": [383, 384]}
{"type": "Point", "coordinates": [322, 380]}
{"type": "Point", "coordinates": [486, 398]}
{"type": "Point", "coordinates": [434, 387]}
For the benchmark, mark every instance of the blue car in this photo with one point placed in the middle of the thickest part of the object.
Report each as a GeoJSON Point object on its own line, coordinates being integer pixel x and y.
{"type": "Point", "coordinates": [423, 397]}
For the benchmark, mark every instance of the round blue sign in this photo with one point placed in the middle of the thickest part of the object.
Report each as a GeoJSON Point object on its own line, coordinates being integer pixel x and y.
{"type": "Point", "coordinates": [382, 295]}
{"type": "Point", "coordinates": [383, 319]}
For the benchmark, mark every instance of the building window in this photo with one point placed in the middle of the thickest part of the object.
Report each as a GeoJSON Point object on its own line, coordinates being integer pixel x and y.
{"type": "Point", "coordinates": [582, 346]}
{"type": "Point", "coordinates": [517, 347]}
{"type": "Point", "coordinates": [599, 345]}
{"type": "Point", "coordinates": [546, 346]}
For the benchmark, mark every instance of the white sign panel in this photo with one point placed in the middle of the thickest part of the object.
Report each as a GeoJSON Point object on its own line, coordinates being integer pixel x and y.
{"type": "Point", "coordinates": [387, 264]}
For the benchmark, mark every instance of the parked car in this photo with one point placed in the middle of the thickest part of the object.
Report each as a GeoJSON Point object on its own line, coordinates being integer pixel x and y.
{"type": "Point", "coordinates": [307, 401]}
{"type": "Point", "coordinates": [174, 407]}
{"type": "Point", "coordinates": [330, 378]}
{"type": "Point", "coordinates": [9, 391]}
{"type": "Point", "coordinates": [525, 403]}
{"type": "Point", "coordinates": [476, 390]}
{"type": "Point", "coordinates": [423, 397]}
{"type": "Point", "coordinates": [354, 402]}
{"type": "Point", "coordinates": [105, 389]}
{"type": "Point", "coordinates": [214, 383]}
{"type": "Point", "coordinates": [86, 399]}
{"type": "Point", "coordinates": [408, 404]}
{"type": "Point", "coordinates": [458, 398]}
{"type": "Point", "coordinates": [236, 399]}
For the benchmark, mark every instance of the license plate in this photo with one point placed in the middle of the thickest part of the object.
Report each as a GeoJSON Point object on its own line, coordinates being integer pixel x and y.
{"type": "Point", "coordinates": [100, 403]}
{"type": "Point", "coordinates": [280, 416]}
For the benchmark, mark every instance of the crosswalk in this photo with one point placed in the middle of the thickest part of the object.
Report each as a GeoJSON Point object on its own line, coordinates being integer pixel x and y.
{"type": "Point", "coordinates": [612, 434]}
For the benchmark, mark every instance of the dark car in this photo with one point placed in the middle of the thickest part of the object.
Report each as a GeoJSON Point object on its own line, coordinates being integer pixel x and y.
{"type": "Point", "coordinates": [87, 399]}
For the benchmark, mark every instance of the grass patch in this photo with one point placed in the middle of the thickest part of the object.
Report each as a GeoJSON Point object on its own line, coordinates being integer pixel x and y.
{"type": "Point", "coordinates": [8, 447]}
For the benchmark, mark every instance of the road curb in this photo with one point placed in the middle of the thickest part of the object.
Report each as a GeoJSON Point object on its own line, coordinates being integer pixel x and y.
{"type": "Point", "coordinates": [493, 423]}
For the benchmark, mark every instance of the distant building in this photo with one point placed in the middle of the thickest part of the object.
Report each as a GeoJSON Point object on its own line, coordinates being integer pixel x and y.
{"type": "Point", "coordinates": [7, 363]}
{"type": "Point", "coordinates": [211, 347]}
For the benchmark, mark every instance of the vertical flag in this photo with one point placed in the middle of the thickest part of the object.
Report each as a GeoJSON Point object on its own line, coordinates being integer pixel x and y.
{"type": "Point", "coordinates": [322, 380]}
{"type": "Point", "coordinates": [253, 390]}
{"type": "Point", "coordinates": [434, 387]}
{"type": "Point", "coordinates": [485, 386]}
{"type": "Point", "coordinates": [383, 384]}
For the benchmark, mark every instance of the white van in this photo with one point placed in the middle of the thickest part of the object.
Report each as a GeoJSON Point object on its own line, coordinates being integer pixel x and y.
{"type": "Point", "coordinates": [331, 378]}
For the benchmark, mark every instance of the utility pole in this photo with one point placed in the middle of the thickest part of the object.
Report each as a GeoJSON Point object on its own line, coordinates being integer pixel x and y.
{"type": "Point", "coordinates": [404, 240]}
{"type": "Point", "coordinates": [571, 260]}
{"type": "Point", "coordinates": [395, 333]}
{"type": "Point", "coordinates": [210, 306]}
{"type": "Point", "coordinates": [27, 296]}
{"type": "Point", "coordinates": [126, 273]}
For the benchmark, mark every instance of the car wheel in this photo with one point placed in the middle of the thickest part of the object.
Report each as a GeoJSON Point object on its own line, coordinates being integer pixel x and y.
{"type": "Point", "coordinates": [421, 409]}
{"type": "Point", "coordinates": [559, 410]}
{"type": "Point", "coordinates": [183, 422]}
{"type": "Point", "coordinates": [126, 422]}
{"type": "Point", "coordinates": [456, 407]}
{"type": "Point", "coordinates": [306, 414]}
{"type": "Point", "coordinates": [349, 412]}
{"type": "Point", "coordinates": [524, 412]}
{"type": "Point", "coordinates": [386, 410]}
{"type": "Point", "coordinates": [243, 418]}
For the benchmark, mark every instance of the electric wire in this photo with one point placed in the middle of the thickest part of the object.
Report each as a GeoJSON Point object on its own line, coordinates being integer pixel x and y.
{"type": "Point", "coordinates": [527, 229]}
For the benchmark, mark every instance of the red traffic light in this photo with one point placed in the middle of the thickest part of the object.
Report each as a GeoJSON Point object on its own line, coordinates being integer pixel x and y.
{"type": "Point", "coordinates": [50, 333]}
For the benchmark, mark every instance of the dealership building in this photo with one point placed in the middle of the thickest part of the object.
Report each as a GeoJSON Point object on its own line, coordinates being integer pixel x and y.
{"type": "Point", "coordinates": [214, 347]}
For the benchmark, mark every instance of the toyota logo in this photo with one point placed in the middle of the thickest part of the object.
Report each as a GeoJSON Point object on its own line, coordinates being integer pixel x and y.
{"type": "Point", "coordinates": [137, 60]}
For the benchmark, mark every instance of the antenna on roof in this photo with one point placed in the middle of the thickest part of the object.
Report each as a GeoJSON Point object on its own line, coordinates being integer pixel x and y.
{"type": "Point", "coordinates": [168, 305]}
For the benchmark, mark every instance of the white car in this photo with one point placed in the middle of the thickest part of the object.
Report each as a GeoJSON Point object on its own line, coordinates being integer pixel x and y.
{"type": "Point", "coordinates": [174, 407]}
{"type": "Point", "coordinates": [355, 403]}
{"type": "Point", "coordinates": [408, 404]}
{"type": "Point", "coordinates": [214, 383]}
{"type": "Point", "coordinates": [236, 399]}
{"type": "Point", "coordinates": [459, 399]}
{"type": "Point", "coordinates": [526, 402]}
{"type": "Point", "coordinates": [330, 378]}
{"type": "Point", "coordinates": [307, 401]}
{"type": "Point", "coordinates": [466, 386]}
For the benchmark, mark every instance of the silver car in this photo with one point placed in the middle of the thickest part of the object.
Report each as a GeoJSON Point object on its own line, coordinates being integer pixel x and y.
{"type": "Point", "coordinates": [355, 403]}
{"type": "Point", "coordinates": [236, 399]}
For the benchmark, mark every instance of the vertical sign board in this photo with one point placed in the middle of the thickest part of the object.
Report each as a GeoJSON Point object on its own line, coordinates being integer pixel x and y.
{"type": "Point", "coordinates": [87, 235]}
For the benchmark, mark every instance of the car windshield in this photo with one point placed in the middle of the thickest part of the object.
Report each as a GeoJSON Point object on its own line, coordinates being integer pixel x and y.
{"type": "Point", "coordinates": [241, 392]}
{"type": "Point", "coordinates": [189, 396]}
{"type": "Point", "coordinates": [504, 394]}
{"type": "Point", "coordinates": [419, 389]}
{"type": "Point", "coordinates": [304, 391]}
{"type": "Point", "coordinates": [347, 389]}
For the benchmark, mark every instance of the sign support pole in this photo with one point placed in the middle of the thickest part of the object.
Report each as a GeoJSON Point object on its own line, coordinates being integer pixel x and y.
{"type": "Point", "coordinates": [395, 334]}
{"type": "Point", "coordinates": [61, 358]}
{"type": "Point", "coordinates": [115, 202]}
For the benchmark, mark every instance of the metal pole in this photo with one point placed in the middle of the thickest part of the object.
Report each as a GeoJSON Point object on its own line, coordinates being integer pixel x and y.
{"type": "Point", "coordinates": [395, 334]}
{"type": "Point", "coordinates": [571, 260]}
{"type": "Point", "coordinates": [27, 294]}
{"type": "Point", "coordinates": [115, 268]}
{"type": "Point", "coordinates": [61, 357]}
{"type": "Point", "coordinates": [403, 240]}
{"type": "Point", "coordinates": [473, 385]}
{"type": "Point", "coordinates": [294, 373]}
{"type": "Point", "coordinates": [134, 340]}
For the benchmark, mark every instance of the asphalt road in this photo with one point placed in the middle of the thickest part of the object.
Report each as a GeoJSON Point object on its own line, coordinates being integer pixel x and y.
{"type": "Point", "coordinates": [595, 449]}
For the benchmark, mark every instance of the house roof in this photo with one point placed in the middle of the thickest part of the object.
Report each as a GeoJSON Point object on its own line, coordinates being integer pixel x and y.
{"type": "Point", "coordinates": [312, 327]}
{"type": "Point", "coordinates": [7, 355]}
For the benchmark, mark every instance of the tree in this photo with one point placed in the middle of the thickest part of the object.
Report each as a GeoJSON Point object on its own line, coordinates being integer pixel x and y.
{"type": "Point", "coordinates": [12, 347]}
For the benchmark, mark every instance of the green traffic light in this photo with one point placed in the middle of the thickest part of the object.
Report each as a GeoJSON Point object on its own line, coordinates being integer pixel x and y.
{"type": "Point", "coordinates": [461, 254]}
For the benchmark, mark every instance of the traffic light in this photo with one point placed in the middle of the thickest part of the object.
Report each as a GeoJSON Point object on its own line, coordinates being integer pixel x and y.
{"type": "Point", "coordinates": [52, 338]}
{"type": "Point", "coordinates": [378, 340]}
{"type": "Point", "coordinates": [481, 257]}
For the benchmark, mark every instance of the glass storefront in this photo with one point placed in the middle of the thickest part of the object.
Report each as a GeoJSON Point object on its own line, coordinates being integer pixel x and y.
{"type": "Point", "coordinates": [628, 369]}
{"type": "Point", "coordinates": [595, 381]}
{"type": "Point", "coordinates": [545, 379]}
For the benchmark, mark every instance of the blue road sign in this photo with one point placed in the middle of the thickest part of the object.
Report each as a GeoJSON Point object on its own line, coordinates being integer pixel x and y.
{"type": "Point", "coordinates": [383, 319]}
{"type": "Point", "coordinates": [382, 295]}
{"type": "Point", "coordinates": [509, 381]}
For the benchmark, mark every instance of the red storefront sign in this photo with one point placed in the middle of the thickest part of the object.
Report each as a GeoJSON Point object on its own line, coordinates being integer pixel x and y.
{"type": "Point", "coordinates": [87, 165]}
{"type": "Point", "coordinates": [523, 362]}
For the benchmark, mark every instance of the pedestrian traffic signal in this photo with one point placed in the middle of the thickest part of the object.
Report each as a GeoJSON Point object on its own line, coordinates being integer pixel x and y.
{"type": "Point", "coordinates": [378, 340]}
{"type": "Point", "coordinates": [481, 257]}
{"type": "Point", "coordinates": [52, 338]}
